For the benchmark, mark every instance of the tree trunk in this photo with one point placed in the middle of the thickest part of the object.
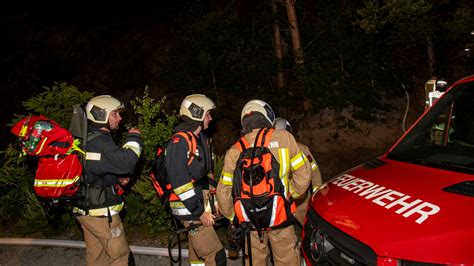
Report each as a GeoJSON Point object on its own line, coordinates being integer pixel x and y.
{"type": "Point", "coordinates": [294, 30]}
{"type": "Point", "coordinates": [431, 55]}
{"type": "Point", "coordinates": [278, 52]}
{"type": "Point", "coordinates": [298, 52]}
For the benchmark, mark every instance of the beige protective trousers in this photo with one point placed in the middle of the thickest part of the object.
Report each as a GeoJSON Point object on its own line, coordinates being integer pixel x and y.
{"type": "Point", "coordinates": [283, 244]}
{"type": "Point", "coordinates": [302, 208]}
{"type": "Point", "coordinates": [203, 245]}
{"type": "Point", "coordinates": [106, 243]}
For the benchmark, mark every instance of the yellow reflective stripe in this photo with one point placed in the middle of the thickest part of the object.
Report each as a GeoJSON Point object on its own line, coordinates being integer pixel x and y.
{"type": "Point", "coordinates": [231, 218]}
{"type": "Point", "coordinates": [134, 146]}
{"type": "Point", "coordinates": [55, 182]}
{"type": "Point", "coordinates": [23, 130]}
{"type": "Point", "coordinates": [177, 204]}
{"type": "Point", "coordinates": [42, 144]}
{"type": "Point", "coordinates": [314, 166]}
{"type": "Point", "coordinates": [298, 161]}
{"type": "Point", "coordinates": [226, 179]}
{"type": "Point", "coordinates": [183, 188]}
{"type": "Point", "coordinates": [196, 262]}
{"type": "Point", "coordinates": [315, 188]}
{"type": "Point", "coordinates": [284, 162]}
{"type": "Point", "coordinates": [101, 211]}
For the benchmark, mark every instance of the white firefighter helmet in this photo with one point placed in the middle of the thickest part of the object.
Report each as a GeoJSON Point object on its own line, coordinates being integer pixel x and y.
{"type": "Point", "coordinates": [437, 132]}
{"type": "Point", "coordinates": [282, 123]}
{"type": "Point", "coordinates": [195, 106]}
{"type": "Point", "coordinates": [438, 127]}
{"type": "Point", "coordinates": [258, 106]}
{"type": "Point", "coordinates": [99, 108]}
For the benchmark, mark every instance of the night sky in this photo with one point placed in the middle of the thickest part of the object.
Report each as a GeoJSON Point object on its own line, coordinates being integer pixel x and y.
{"type": "Point", "coordinates": [22, 25]}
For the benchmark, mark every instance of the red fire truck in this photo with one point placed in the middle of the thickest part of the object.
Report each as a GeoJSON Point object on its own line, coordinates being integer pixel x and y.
{"type": "Point", "coordinates": [414, 205]}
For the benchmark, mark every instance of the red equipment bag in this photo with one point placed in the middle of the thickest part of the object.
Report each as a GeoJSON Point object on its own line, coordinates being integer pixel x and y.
{"type": "Point", "coordinates": [57, 176]}
{"type": "Point", "coordinates": [40, 136]}
{"type": "Point", "coordinates": [59, 168]}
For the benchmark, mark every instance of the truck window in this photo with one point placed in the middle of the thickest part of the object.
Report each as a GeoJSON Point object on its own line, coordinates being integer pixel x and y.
{"type": "Point", "coordinates": [444, 137]}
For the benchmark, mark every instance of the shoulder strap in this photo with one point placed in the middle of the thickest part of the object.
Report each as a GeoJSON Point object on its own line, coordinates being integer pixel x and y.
{"type": "Point", "coordinates": [191, 141]}
{"type": "Point", "coordinates": [93, 135]}
{"type": "Point", "coordinates": [263, 137]}
{"type": "Point", "coordinates": [261, 140]}
{"type": "Point", "coordinates": [242, 144]}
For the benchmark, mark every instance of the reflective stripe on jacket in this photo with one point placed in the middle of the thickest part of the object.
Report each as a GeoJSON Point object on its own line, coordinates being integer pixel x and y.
{"type": "Point", "coordinates": [105, 162]}
{"type": "Point", "coordinates": [290, 157]}
{"type": "Point", "coordinates": [187, 181]}
{"type": "Point", "coordinates": [316, 179]}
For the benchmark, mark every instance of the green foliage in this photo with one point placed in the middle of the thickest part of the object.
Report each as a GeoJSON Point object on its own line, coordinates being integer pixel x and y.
{"type": "Point", "coordinates": [409, 18]}
{"type": "Point", "coordinates": [344, 66]}
{"type": "Point", "coordinates": [56, 102]}
{"type": "Point", "coordinates": [459, 25]}
{"type": "Point", "coordinates": [418, 24]}
{"type": "Point", "coordinates": [220, 54]}
{"type": "Point", "coordinates": [156, 126]}
{"type": "Point", "coordinates": [15, 183]}
{"type": "Point", "coordinates": [225, 54]}
{"type": "Point", "coordinates": [18, 203]}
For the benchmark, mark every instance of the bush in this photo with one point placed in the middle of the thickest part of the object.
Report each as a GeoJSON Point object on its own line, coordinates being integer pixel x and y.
{"type": "Point", "coordinates": [144, 208]}
{"type": "Point", "coordinates": [18, 204]}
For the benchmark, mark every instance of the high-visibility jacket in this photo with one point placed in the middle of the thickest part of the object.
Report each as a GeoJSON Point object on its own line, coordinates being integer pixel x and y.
{"type": "Point", "coordinates": [316, 179]}
{"type": "Point", "coordinates": [187, 179]}
{"type": "Point", "coordinates": [105, 163]}
{"type": "Point", "coordinates": [288, 154]}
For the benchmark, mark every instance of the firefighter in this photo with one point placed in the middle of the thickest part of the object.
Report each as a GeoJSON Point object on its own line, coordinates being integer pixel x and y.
{"type": "Point", "coordinates": [189, 180]}
{"type": "Point", "coordinates": [257, 114]}
{"type": "Point", "coordinates": [316, 181]}
{"type": "Point", "coordinates": [106, 168]}
{"type": "Point", "coordinates": [430, 86]}
{"type": "Point", "coordinates": [437, 134]}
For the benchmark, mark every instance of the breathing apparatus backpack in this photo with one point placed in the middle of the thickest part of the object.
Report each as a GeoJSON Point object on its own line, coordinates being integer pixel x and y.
{"type": "Point", "coordinates": [59, 168]}
{"type": "Point", "coordinates": [158, 173]}
{"type": "Point", "coordinates": [258, 192]}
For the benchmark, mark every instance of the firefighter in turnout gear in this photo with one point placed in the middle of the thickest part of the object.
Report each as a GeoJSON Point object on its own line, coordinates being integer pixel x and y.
{"type": "Point", "coordinates": [316, 180]}
{"type": "Point", "coordinates": [106, 169]}
{"type": "Point", "coordinates": [256, 117]}
{"type": "Point", "coordinates": [189, 181]}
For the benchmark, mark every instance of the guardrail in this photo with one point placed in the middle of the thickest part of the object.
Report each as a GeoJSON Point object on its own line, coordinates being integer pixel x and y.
{"type": "Point", "coordinates": [80, 244]}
